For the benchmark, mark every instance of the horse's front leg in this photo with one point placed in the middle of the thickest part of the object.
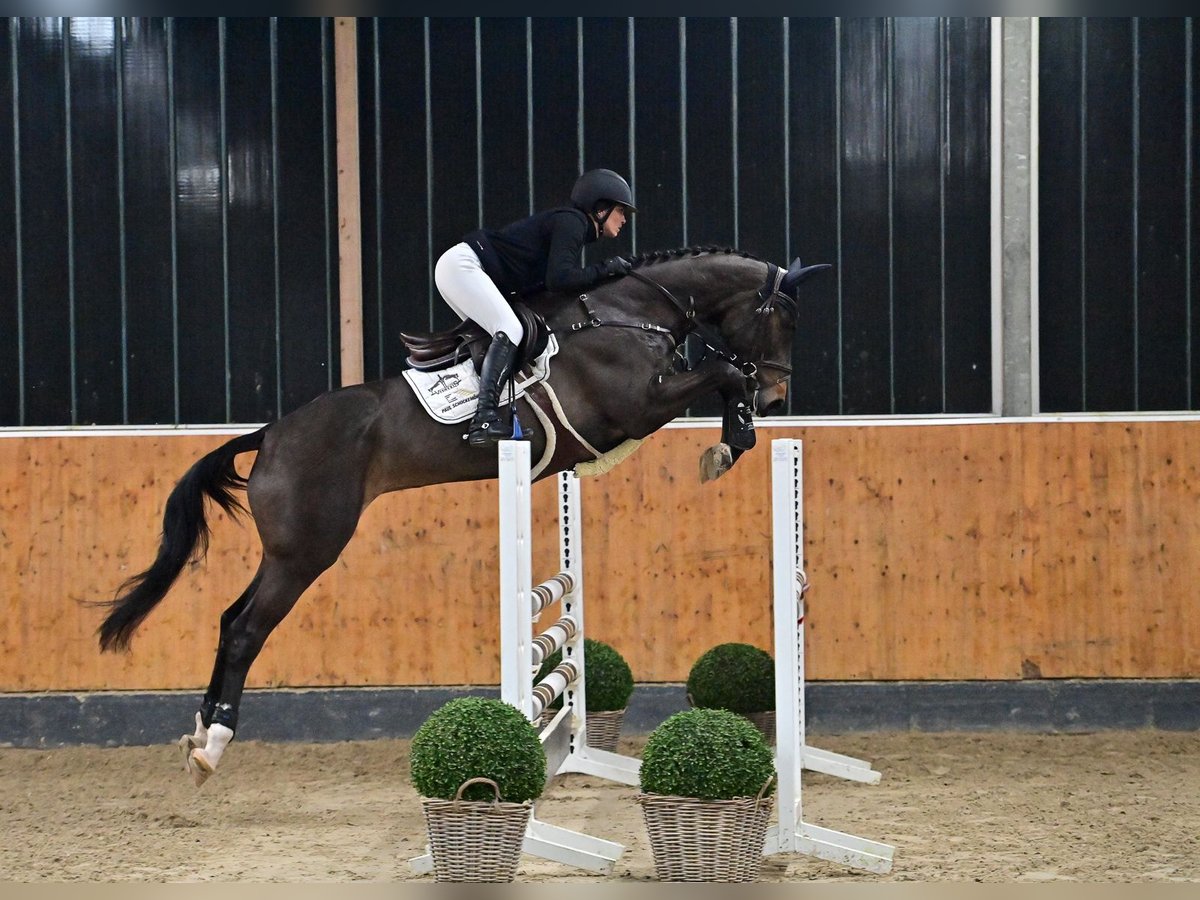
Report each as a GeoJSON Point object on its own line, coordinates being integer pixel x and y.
{"type": "Point", "coordinates": [670, 394]}
{"type": "Point", "coordinates": [678, 391]}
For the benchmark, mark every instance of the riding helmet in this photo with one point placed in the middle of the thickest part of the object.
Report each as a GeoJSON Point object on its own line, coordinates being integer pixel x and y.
{"type": "Point", "coordinates": [601, 186]}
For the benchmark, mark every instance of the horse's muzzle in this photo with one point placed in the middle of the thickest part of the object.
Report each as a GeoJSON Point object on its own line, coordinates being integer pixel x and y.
{"type": "Point", "coordinates": [771, 400]}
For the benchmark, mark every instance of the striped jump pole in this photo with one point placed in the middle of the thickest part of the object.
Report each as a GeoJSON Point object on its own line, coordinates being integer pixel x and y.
{"type": "Point", "coordinates": [792, 834]}
{"type": "Point", "coordinates": [522, 652]}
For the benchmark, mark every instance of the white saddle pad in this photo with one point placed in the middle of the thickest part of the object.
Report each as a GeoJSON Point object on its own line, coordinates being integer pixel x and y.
{"type": "Point", "coordinates": [451, 395]}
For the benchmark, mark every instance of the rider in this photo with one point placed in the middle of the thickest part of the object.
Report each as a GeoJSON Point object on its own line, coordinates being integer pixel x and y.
{"type": "Point", "coordinates": [476, 276]}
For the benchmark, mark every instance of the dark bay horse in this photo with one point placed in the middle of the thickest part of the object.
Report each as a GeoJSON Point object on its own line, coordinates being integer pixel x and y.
{"type": "Point", "coordinates": [616, 377]}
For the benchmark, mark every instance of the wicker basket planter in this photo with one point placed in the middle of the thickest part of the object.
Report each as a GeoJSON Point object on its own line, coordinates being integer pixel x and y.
{"type": "Point", "coordinates": [475, 840]}
{"type": "Point", "coordinates": [603, 728]}
{"type": "Point", "coordinates": [707, 779]}
{"type": "Point", "coordinates": [706, 840]}
{"type": "Point", "coordinates": [609, 687]}
{"type": "Point", "coordinates": [765, 722]}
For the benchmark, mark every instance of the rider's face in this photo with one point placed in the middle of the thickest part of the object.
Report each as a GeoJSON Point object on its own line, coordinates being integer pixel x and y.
{"type": "Point", "coordinates": [614, 222]}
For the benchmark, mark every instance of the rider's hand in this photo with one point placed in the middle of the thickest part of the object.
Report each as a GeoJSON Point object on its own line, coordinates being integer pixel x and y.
{"type": "Point", "coordinates": [618, 265]}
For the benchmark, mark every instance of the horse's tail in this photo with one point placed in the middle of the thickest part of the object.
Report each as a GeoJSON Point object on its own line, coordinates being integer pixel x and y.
{"type": "Point", "coordinates": [185, 536]}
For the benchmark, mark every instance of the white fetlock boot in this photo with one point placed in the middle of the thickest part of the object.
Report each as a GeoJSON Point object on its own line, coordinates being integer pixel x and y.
{"type": "Point", "coordinates": [202, 761]}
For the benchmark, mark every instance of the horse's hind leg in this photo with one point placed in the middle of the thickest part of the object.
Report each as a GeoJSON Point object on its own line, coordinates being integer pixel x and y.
{"type": "Point", "coordinates": [306, 492]}
{"type": "Point", "coordinates": [199, 737]}
{"type": "Point", "coordinates": [280, 584]}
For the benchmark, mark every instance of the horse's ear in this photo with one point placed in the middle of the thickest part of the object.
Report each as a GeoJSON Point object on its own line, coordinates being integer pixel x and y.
{"type": "Point", "coordinates": [797, 272]}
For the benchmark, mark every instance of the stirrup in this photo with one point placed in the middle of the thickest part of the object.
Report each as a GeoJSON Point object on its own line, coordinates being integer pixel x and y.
{"type": "Point", "coordinates": [487, 434]}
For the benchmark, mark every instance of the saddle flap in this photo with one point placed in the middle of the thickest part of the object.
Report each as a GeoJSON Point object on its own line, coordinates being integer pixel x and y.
{"type": "Point", "coordinates": [431, 351]}
{"type": "Point", "coordinates": [535, 333]}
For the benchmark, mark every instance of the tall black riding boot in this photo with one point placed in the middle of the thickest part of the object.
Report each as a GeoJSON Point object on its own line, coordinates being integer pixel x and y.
{"type": "Point", "coordinates": [488, 426]}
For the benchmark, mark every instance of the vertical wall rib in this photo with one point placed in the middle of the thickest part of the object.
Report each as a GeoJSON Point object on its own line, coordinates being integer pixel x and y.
{"type": "Point", "coordinates": [70, 179]}
{"type": "Point", "coordinates": [733, 119]}
{"type": "Point", "coordinates": [839, 352]}
{"type": "Point", "coordinates": [1189, 187]}
{"type": "Point", "coordinates": [1135, 123]}
{"type": "Point", "coordinates": [683, 123]}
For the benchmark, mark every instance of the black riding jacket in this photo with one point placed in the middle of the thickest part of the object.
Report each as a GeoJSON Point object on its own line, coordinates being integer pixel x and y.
{"type": "Point", "coordinates": [542, 251]}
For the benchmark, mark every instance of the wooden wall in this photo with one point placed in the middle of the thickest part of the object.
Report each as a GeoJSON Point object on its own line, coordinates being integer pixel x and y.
{"type": "Point", "coordinates": [991, 550]}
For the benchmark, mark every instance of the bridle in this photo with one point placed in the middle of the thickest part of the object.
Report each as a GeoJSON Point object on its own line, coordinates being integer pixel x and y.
{"type": "Point", "coordinates": [769, 294]}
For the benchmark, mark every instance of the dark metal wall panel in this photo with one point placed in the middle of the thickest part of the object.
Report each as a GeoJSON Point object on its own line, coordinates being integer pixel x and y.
{"type": "Point", "coordinates": [200, 222]}
{"type": "Point", "coordinates": [307, 203]}
{"type": "Point", "coordinates": [918, 239]}
{"type": "Point", "coordinates": [250, 219]}
{"type": "Point", "coordinates": [1060, 235]}
{"type": "Point", "coordinates": [146, 158]}
{"type": "Point", "coordinates": [10, 314]}
{"type": "Point", "coordinates": [144, 214]}
{"type": "Point", "coordinates": [1192, 207]}
{"type": "Point", "coordinates": [504, 111]}
{"type": "Point", "coordinates": [1161, 289]}
{"type": "Point", "coordinates": [95, 218]}
{"type": "Point", "coordinates": [814, 208]}
{"type": "Point", "coordinates": [454, 140]}
{"type": "Point", "coordinates": [658, 112]}
{"type": "Point", "coordinates": [708, 155]}
{"type": "Point", "coordinates": [556, 114]}
{"type": "Point", "coordinates": [45, 284]}
{"type": "Point", "coordinates": [866, 232]}
{"type": "Point", "coordinates": [396, 179]}
{"type": "Point", "coordinates": [774, 135]}
{"type": "Point", "coordinates": [1117, 121]}
{"type": "Point", "coordinates": [1110, 315]}
{"type": "Point", "coordinates": [966, 186]}
{"type": "Point", "coordinates": [760, 136]}
{"type": "Point", "coordinates": [606, 112]}
{"type": "Point", "coordinates": [709, 151]}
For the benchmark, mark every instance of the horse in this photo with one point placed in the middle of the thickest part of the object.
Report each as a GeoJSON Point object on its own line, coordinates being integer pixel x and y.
{"type": "Point", "coordinates": [618, 377]}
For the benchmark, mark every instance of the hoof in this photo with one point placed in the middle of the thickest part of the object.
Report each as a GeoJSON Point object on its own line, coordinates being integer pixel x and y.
{"type": "Point", "coordinates": [186, 745]}
{"type": "Point", "coordinates": [715, 462]}
{"type": "Point", "coordinates": [199, 765]}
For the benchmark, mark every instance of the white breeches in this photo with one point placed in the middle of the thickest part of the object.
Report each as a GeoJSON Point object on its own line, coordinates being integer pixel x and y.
{"type": "Point", "coordinates": [469, 291]}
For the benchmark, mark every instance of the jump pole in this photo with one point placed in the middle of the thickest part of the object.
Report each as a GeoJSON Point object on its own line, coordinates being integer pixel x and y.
{"type": "Point", "coordinates": [792, 834]}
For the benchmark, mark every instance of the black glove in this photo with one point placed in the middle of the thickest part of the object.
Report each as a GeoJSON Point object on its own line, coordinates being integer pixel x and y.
{"type": "Point", "coordinates": [618, 265]}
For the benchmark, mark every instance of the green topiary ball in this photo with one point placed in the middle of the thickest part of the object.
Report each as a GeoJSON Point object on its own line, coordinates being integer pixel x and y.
{"type": "Point", "coordinates": [478, 737]}
{"type": "Point", "coordinates": [606, 674]}
{"type": "Point", "coordinates": [737, 677]}
{"type": "Point", "coordinates": [711, 754]}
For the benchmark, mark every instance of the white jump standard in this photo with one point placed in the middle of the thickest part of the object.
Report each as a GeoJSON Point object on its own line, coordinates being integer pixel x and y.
{"type": "Point", "coordinates": [792, 833]}
{"type": "Point", "coordinates": [564, 738]}
{"type": "Point", "coordinates": [521, 654]}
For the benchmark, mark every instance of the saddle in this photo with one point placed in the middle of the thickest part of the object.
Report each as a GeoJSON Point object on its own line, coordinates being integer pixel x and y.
{"type": "Point", "coordinates": [432, 351]}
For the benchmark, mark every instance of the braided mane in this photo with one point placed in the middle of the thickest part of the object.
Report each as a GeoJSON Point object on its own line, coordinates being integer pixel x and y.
{"type": "Point", "coordinates": [655, 256]}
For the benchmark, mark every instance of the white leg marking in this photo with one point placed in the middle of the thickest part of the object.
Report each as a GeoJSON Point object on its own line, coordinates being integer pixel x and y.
{"type": "Point", "coordinates": [202, 761]}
